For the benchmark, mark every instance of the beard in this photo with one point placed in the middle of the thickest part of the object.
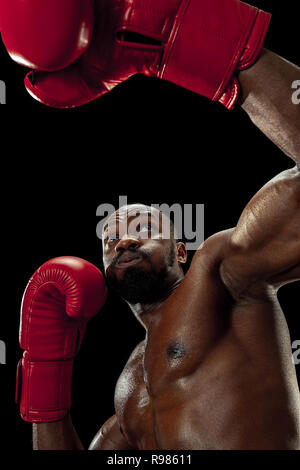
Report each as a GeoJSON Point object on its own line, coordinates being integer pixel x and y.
{"type": "Point", "coordinates": [142, 286]}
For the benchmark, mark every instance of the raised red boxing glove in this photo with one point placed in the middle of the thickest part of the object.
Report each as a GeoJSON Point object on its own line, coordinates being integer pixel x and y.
{"type": "Point", "coordinates": [48, 34]}
{"type": "Point", "coordinates": [197, 44]}
{"type": "Point", "coordinates": [60, 298]}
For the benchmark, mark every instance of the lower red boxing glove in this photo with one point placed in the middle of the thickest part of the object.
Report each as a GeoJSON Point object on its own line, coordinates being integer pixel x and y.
{"type": "Point", "coordinates": [197, 44]}
{"type": "Point", "coordinates": [60, 298]}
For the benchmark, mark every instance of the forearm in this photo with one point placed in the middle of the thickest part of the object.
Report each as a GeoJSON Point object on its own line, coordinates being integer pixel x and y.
{"type": "Point", "coordinates": [59, 435]}
{"type": "Point", "coordinates": [267, 99]}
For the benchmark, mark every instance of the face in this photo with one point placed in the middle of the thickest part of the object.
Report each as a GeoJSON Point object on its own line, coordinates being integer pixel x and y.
{"type": "Point", "coordinates": [141, 257]}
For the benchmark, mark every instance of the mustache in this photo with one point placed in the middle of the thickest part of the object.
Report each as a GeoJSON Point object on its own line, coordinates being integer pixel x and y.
{"type": "Point", "coordinates": [133, 250]}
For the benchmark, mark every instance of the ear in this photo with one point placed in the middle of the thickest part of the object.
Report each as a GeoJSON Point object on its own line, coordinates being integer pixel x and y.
{"type": "Point", "coordinates": [181, 252]}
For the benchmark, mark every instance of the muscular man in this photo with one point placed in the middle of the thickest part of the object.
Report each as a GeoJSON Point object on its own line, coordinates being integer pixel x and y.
{"type": "Point", "coordinates": [214, 370]}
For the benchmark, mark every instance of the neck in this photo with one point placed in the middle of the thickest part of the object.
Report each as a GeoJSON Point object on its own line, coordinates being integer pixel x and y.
{"type": "Point", "coordinates": [145, 312]}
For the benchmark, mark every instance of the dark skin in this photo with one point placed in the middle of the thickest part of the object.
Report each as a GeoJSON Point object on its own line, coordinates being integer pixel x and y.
{"type": "Point", "coordinates": [215, 368]}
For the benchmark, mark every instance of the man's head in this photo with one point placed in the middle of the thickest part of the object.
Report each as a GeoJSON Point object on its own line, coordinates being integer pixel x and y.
{"type": "Point", "coordinates": [142, 258]}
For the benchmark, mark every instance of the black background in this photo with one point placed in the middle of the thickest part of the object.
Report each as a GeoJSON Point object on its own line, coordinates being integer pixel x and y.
{"type": "Point", "coordinates": [147, 139]}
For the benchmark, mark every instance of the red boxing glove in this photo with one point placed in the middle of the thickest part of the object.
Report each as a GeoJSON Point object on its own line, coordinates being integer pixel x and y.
{"type": "Point", "coordinates": [197, 44]}
{"type": "Point", "coordinates": [48, 34]}
{"type": "Point", "coordinates": [60, 298]}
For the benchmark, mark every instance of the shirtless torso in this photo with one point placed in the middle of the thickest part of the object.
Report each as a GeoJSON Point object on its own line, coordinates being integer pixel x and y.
{"type": "Point", "coordinates": [213, 373]}
{"type": "Point", "coordinates": [215, 370]}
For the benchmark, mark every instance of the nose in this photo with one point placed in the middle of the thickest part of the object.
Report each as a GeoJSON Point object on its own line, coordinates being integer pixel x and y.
{"type": "Point", "coordinates": [127, 242]}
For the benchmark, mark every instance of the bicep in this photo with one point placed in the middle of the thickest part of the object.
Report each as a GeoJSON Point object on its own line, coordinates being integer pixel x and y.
{"type": "Point", "coordinates": [110, 437]}
{"type": "Point", "coordinates": [265, 245]}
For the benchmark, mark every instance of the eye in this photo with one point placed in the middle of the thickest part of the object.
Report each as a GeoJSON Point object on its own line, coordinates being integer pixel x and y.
{"type": "Point", "coordinates": [110, 239]}
{"type": "Point", "coordinates": [144, 227]}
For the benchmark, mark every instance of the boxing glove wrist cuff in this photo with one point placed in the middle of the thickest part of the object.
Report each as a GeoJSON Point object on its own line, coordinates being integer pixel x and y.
{"type": "Point", "coordinates": [44, 389]}
{"type": "Point", "coordinates": [207, 45]}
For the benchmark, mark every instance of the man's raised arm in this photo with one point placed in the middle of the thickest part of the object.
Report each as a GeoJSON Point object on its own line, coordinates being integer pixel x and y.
{"type": "Point", "coordinates": [264, 247]}
{"type": "Point", "coordinates": [267, 97]}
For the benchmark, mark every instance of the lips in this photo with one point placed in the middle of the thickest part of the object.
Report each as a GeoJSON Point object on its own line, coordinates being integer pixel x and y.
{"type": "Point", "coordinates": [129, 259]}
